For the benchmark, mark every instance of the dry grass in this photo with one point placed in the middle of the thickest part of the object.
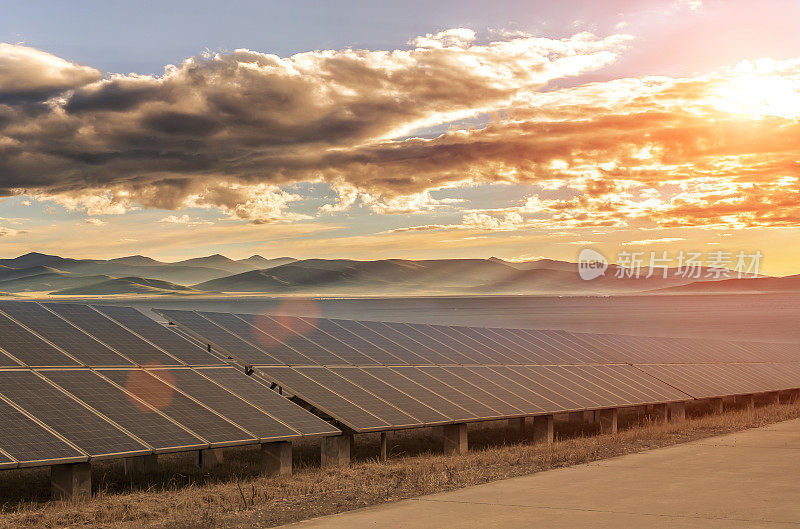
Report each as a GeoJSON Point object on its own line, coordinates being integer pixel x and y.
{"type": "Point", "coordinates": [234, 496]}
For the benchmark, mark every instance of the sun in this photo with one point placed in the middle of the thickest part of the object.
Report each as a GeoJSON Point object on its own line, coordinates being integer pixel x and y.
{"type": "Point", "coordinates": [759, 96]}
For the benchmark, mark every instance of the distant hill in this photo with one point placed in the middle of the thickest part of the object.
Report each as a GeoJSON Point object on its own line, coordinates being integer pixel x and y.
{"type": "Point", "coordinates": [261, 263]}
{"type": "Point", "coordinates": [743, 285]}
{"type": "Point", "coordinates": [126, 285]}
{"type": "Point", "coordinates": [136, 260]}
{"type": "Point", "coordinates": [219, 262]}
{"type": "Point", "coordinates": [49, 281]}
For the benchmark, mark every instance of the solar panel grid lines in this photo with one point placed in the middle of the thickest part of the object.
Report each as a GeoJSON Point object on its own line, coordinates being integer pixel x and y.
{"type": "Point", "coordinates": [390, 413]}
{"type": "Point", "coordinates": [93, 434]}
{"type": "Point", "coordinates": [500, 392]}
{"type": "Point", "coordinates": [413, 388]}
{"type": "Point", "coordinates": [502, 354]}
{"type": "Point", "coordinates": [351, 354]}
{"type": "Point", "coordinates": [424, 346]}
{"type": "Point", "coordinates": [535, 353]}
{"type": "Point", "coordinates": [604, 396]}
{"type": "Point", "coordinates": [541, 347]}
{"type": "Point", "coordinates": [490, 356]}
{"type": "Point", "coordinates": [424, 376]}
{"type": "Point", "coordinates": [523, 353]}
{"type": "Point", "coordinates": [459, 352]}
{"type": "Point", "coordinates": [588, 354]}
{"type": "Point", "coordinates": [23, 347]}
{"type": "Point", "coordinates": [291, 336]}
{"type": "Point", "coordinates": [417, 409]}
{"type": "Point", "coordinates": [446, 354]}
{"type": "Point", "coordinates": [265, 399]}
{"type": "Point", "coordinates": [605, 384]}
{"type": "Point", "coordinates": [448, 337]}
{"type": "Point", "coordinates": [660, 390]}
{"type": "Point", "coordinates": [544, 378]}
{"type": "Point", "coordinates": [536, 385]}
{"type": "Point", "coordinates": [66, 336]}
{"type": "Point", "coordinates": [6, 461]}
{"type": "Point", "coordinates": [110, 333]}
{"type": "Point", "coordinates": [676, 375]}
{"type": "Point", "coordinates": [220, 338]}
{"type": "Point", "coordinates": [360, 339]}
{"type": "Point", "coordinates": [403, 354]}
{"type": "Point", "coordinates": [144, 421]}
{"type": "Point", "coordinates": [555, 339]}
{"type": "Point", "coordinates": [31, 443]}
{"type": "Point", "coordinates": [517, 385]}
{"type": "Point", "coordinates": [157, 334]}
{"type": "Point", "coordinates": [186, 411]}
{"type": "Point", "coordinates": [257, 338]}
{"type": "Point", "coordinates": [250, 418]}
{"type": "Point", "coordinates": [343, 410]}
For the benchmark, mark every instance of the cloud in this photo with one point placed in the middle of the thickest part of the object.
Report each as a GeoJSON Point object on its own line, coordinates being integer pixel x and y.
{"type": "Point", "coordinates": [9, 232]}
{"type": "Point", "coordinates": [95, 222]}
{"type": "Point", "coordinates": [649, 242]}
{"type": "Point", "coordinates": [255, 119]}
{"type": "Point", "coordinates": [184, 219]}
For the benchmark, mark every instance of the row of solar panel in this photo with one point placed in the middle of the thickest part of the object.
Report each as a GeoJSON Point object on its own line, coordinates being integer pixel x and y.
{"type": "Point", "coordinates": [286, 340]}
{"type": "Point", "coordinates": [379, 398]}
{"type": "Point", "coordinates": [64, 334]}
{"type": "Point", "coordinates": [68, 415]}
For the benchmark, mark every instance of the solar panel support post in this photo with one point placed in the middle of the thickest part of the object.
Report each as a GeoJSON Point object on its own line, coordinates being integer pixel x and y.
{"type": "Point", "coordinates": [748, 401]}
{"type": "Point", "coordinates": [335, 450]}
{"type": "Point", "coordinates": [276, 458]}
{"type": "Point", "coordinates": [717, 405]}
{"type": "Point", "coordinates": [517, 424]}
{"type": "Point", "coordinates": [384, 448]}
{"type": "Point", "coordinates": [454, 438]}
{"type": "Point", "coordinates": [543, 429]}
{"type": "Point", "coordinates": [71, 481]}
{"type": "Point", "coordinates": [209, 457]}
{"type": "Point", "coordinates": [608, 420]}
{"type": "Point", "coordinates": [775, 397]}
{"type": "Point", "coordinates": [141, 464]}
{"type": "Point", "coordinates": [661, 412]}
{"type": "Point", "coordinates": [677, 411]}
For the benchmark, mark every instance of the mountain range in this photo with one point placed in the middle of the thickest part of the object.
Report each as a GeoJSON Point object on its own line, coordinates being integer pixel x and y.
{"type": "Point", "coordinates": [137, 274]}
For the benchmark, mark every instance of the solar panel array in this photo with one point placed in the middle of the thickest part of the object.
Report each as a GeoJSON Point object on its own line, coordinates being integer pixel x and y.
{"type": "Point", "coordinates": [373, 376]}
{"type": "Point", "coordinates": [80, 383]}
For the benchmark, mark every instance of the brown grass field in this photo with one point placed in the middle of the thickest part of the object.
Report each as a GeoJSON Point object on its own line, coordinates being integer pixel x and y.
{"type": "Point", "coordinates": [234, 496]}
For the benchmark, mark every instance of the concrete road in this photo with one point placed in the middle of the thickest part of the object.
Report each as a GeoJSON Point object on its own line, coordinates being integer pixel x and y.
{"type": "Point", "coordinates": [748, 479]}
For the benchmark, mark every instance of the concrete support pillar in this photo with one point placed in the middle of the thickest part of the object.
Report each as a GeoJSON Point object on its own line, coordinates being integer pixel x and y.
{"type": "Point", "coordinates": [276, 458]}
{"type": "Point", "coordinates": [543, 429]}
{"type": "Point", "coordinates": [335, 450]}
{"type": "Point", "coordinates": [454, 437]}
{"type": "Point", "coordinates": [576, 417]}
{"type": "Point", "coordinates": [661, 412]}
{"type": "Point", "coordinates": [717, 405]}
{"type": "Point", "coordinates": [677, 411]}
{"type": "Point", "coordinates": [748, 401]}
{"type": "Point", "coordinates": [209, 458]}
{"type": "Point", "coordinates": [71, 481]}
{"type": "Point", "coordinates": [141, 464]}
{"type": "Point", "coordinates": [608, 420]}
{"type": "Point", "coordinates": [384, 448]}
{"type": "Point", "coordinates": [517, 424]}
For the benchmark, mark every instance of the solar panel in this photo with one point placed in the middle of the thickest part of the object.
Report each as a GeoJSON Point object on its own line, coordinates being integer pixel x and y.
{"type": "Point", "coordinates": [490, 356]}
{"type": "Point", "coordinates": [275, 348]}
{"type": "Point", "coordinates": [458, 353]}
{"type": "Point", "coordinates": [415, 408]}
{"type": "Point", "coordinates": [126, 410]}
{"type": "Point", "coordinates": [226, 403]}
{"type": "Point", "coordinates": [389, 413]}
{"type": "Point", "coordinates": [110, 333]}
{"type": "Point", "coordinates": [6, 462]}
{"type": "Point", "coordinates": [28, 348]}
{"type": "Point", "coordinates": [403, 355]}
{"type": "Point", "coordinates": [518, 352]}
{"type": "Point", "coordinates": [159, 335]}
{"type": "Point", "coordinates": [504, 393]}
{"type": "Point", "coordinates": [515, 384]}
{"type": "Point", "coordinates": [439, 334]}
{"type": "Point", "coordinates": [450, 376]}
{"type": "Point", "coordinates": [454, 395]}
{"type": "Point", "coordinates": [421, 393]}
{"type": "Point", "coordinates": [267, 400]}
{"type": "Point", "coordinates": [82, 427]}
{"type": "Point", "coordinates": [419, 349]}
{"type": "Point", "coordinates": [538, 385]}
{"type": "Point", "coordinates": [332, 343]}
{"type": "Point", "coordinates": [322, 398]}
{"type": "Point", "coordinates": [224, 340]}
{"type": "Point", "coordinates": [434, 350]}
{"type": "Point", "coordinates": [54, 329]}
{"type": "Point", "coordinates": [197, 418]}
{"type": "Point", "coordinates": [28, 442]}
{"type": "Point", "coordinates": [292, 336]}
{"type": "Point", "coordinates": [368, 354]}
{"type": "Point", "coordinates": [351, 330]}
{"type": "Point", "coordinates": [504, 354]}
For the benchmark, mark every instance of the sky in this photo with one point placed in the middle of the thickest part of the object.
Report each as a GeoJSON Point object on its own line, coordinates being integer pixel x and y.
{"type": "Point", "coordinates": [373, 130]}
